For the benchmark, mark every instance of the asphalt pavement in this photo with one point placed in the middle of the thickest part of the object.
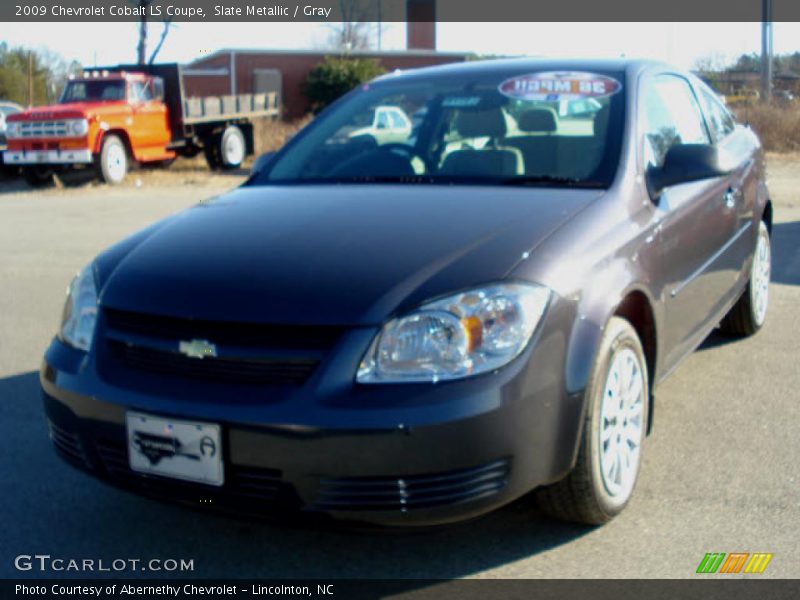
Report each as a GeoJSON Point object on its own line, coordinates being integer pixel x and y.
{"type": "Point", "coordinates": [720, 472]}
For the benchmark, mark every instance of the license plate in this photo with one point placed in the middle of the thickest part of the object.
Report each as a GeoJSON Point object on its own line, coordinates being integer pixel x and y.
{"type": "Point", "coordinates": [186, 450]}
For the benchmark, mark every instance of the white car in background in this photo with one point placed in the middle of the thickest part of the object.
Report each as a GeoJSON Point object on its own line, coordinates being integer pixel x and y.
{"type": "Point", "coordinates": [390, 124]}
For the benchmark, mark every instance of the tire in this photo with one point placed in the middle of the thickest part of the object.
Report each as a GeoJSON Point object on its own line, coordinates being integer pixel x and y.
{"type": "Point", "coordinates": [211, 153]}
{"type": "Point", "coordinates": [37, 176]}
{"type": "Point", "coordinates": [594, 493]}
{"type": "Point", "coordinates": [232, 148]}
{"type": "Point", "coordinates": [747, 316]}
{"type": "Point", "coordinates": [113, 160]}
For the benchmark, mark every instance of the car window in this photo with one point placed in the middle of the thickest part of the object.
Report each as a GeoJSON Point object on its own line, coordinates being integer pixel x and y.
{"type": "Point", "coordinates": [383, 120]}
{"type": "Point", "coordinates": [719, 119]}
{"type": "Point", "coordinates": [141, 91]}
{"type": "Point", "coordinates": [672, 116]}
{"type": "Point", "coordinates": [97, 90]}
{"type": "Point", "coordinates": [485, 127]}
{"type": "Point", "coordinates": [397, 120]}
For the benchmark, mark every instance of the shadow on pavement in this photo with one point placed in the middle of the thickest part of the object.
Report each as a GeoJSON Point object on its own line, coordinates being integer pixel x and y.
{"type": "Point", "coordinates": [54, 509]}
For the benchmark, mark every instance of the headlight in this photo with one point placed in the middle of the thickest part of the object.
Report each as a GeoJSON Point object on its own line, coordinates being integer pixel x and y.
{"type": "Point", "coordinates": [80, 311]}
{"type": "Point", "coordinates": [78, 127]}
{"type": "Point", "coordinates": [465, 334]}
{"type": "Point", "coordinates": [12, 129]}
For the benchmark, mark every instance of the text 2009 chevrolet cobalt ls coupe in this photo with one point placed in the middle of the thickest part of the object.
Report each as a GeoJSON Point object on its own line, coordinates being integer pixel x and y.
{"type": "Point", "coordinates": [418, 331]}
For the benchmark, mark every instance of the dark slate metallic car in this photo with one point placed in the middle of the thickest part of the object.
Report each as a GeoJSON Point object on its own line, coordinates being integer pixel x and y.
{"type": "Point", "coordinates": [419, 331]}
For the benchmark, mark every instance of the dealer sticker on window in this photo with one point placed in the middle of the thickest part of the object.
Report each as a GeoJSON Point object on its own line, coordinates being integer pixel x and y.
{"type": "Point", "coordinates": [553, 86]}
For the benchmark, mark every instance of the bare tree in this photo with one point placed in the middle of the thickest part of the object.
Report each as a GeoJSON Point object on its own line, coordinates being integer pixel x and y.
{"type": "Point", "coordinates": [356, 31]}
{"type": "Point", "coordinates": [711, 63]}
{"type": "Point", "coordinates": [164, 32]}
{"type": "Point", "coordinates": [141, 46]}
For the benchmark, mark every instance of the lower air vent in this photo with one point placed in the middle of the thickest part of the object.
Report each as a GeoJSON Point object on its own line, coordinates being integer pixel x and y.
{"type": "Point", "coordinates": [404, 493]}
{"type": "Point", "coordinates": [67, 443]}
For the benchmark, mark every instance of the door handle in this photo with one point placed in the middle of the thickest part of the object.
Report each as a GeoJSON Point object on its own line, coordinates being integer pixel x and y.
{"type": "Point", "coordinates": [730, 198]}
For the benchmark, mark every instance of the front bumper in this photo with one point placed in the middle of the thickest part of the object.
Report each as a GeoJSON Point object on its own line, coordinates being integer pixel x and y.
{"type": "Point", "coordinates": [416, 454]}
{"type": "Point", "coordinates": [47, 157]}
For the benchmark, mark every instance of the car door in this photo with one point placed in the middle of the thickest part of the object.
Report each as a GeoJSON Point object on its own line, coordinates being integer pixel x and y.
{"type": "Point", "coordinates": [695, 223]}
{"type": "Point", "coordinates": [737, 144]}
{"type": "Point", "coordinates": [151, 131]}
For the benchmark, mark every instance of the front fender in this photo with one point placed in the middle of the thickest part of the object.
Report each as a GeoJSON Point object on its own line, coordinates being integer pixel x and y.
{"type": "Point", "coordinates": [599, 301]}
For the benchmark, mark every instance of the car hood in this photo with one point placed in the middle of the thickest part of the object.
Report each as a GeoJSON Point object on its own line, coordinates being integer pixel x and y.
{"type": "Point", "coordinates": [332, 254]}
{"type": "Point", "coordinates": [71, 110]}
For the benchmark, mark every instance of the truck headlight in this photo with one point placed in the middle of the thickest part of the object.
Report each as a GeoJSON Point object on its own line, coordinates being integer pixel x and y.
{"type": "Point", "coordinates": [458, 336]}
{"type": "Point", "coordinates": [12, 129]}
{"type": "Point", "coordinates": [78, 127]}
{"type": "Point", "coordinates": [80, 311]}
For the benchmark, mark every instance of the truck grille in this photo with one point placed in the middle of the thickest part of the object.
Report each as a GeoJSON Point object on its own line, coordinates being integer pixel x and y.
{"type": "Point", "coordinates": [43, 129]}
{"type": "Point", "coordinates": [248, 354]}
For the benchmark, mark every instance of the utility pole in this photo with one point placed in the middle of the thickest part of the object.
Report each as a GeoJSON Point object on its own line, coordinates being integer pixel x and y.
{"type": "Point", "coordinates": [766, 50]}
{"type": "Point", "coordinates": [380, 24]}
{"type": "Point", "coordinates": [30, 78]}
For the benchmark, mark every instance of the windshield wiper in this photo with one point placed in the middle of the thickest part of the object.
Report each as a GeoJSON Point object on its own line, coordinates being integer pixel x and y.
{"type": "Point", "coordinates": [545, 180]}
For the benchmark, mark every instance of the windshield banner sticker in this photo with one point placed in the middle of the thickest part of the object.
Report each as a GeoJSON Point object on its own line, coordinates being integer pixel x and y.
{"type": "Point", "coordinates": [552, 86]}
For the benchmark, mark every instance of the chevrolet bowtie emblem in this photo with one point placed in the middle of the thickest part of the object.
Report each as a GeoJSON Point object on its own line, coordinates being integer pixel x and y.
{"type": "Point", "coordinates": [198, 349]}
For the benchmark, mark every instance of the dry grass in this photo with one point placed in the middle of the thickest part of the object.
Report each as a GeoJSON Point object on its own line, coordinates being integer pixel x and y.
{"type": "Point", "coordinates": [271, 135]}
{"type": "Point", "coordinates": [777, 125]}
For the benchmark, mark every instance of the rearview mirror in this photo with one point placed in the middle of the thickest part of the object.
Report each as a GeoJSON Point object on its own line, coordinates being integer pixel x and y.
{"type": "Point", "coordinates": [261, 163]}
{"type": "Point", "coordinates": [684, 163]}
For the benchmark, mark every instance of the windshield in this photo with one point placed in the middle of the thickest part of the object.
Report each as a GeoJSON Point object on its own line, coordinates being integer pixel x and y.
{"type": "Point", "coordinates": [549, 128]}
{"type": "Point", "coordinates": [94, 91]}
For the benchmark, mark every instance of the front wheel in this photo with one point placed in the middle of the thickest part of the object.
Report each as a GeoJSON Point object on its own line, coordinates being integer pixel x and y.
{"type": "Point", "coordinates": [37, 176]}
{"type": "Point", "coordinates": [113, 160]}
{"type": "Point", "coordinates": [750, 311]}
{"type": "Point", "coordinates": [614, 428]}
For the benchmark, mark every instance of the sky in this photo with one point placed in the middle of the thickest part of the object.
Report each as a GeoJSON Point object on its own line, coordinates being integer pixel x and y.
{"type": "Point", "coordinates": [681, 44]}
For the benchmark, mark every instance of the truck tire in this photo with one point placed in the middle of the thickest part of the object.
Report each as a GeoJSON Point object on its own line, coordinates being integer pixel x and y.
{"type": "Point", "coordinates": [212, 154]}
{"type": "Point", "coordinates": [748, 314]}
{"type": "Point", "coordinates": [232, 148]}
{"type": "Point", "coordinates": [113, 160]}
{"type": "Point", "coordinates": [615, 425]}
{"type": "Point", "coordinates": [37, 176]}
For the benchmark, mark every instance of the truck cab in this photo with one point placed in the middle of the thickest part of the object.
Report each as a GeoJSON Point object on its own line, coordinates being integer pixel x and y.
{"type": "Point", "coordinates": [102, 121]}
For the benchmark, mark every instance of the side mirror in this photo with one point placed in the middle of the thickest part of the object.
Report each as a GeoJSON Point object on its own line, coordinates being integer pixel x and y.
{"type": "Point", "coordinates": [684, 163]}
{"type": "Point", "coordinates": [261, 163]}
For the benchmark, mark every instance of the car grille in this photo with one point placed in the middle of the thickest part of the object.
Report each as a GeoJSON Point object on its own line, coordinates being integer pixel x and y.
{"type": "Point", "coordinates": [42, 129]}
{"type": "Point", "coordinates": [403, 493]}
{"type": "Point", "coordinates": [246, 354]}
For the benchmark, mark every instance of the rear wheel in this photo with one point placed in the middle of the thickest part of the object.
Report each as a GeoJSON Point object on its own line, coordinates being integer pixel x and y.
{"type": "Point", "coordinates": [211, 151]}
{"type": "Point", "coordinates": [113, 161]}
{"type": "Point", "coordinates": [750, 311]}
{"type": "Point", "coordinates": [232, 148]}
{"type": "Point", "coordinates": [605, 474]}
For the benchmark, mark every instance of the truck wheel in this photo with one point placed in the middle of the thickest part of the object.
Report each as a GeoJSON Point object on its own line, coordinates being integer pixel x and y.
{"type": "Point", "coordinates": [601, 484]}
{"type": "Point", "coordinates": [212, 153]}
{"type": "Point", "coordinates": [232, 148]}
{"type": "Point", "coordinates": [113, 160]}
{"type": "Point", "coordinates": [37, 176]}
{"type": "Point", "coordinates": [748, 314]}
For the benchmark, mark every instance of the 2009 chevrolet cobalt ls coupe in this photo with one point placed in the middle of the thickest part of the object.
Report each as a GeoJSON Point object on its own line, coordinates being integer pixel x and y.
{"type": "Point", "coordinates": [419, 327]}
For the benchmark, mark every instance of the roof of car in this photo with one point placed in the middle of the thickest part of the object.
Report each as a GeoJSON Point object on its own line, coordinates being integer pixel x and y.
{"type": "Point", "coordinates": [480, 67]}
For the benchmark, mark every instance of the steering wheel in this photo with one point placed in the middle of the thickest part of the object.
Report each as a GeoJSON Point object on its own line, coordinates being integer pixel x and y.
{"type": "Point", "coordinates": [405, 150]}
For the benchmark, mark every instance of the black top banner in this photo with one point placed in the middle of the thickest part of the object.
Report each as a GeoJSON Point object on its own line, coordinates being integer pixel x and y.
{"type": "Point", "coordinates": [398, 10]}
